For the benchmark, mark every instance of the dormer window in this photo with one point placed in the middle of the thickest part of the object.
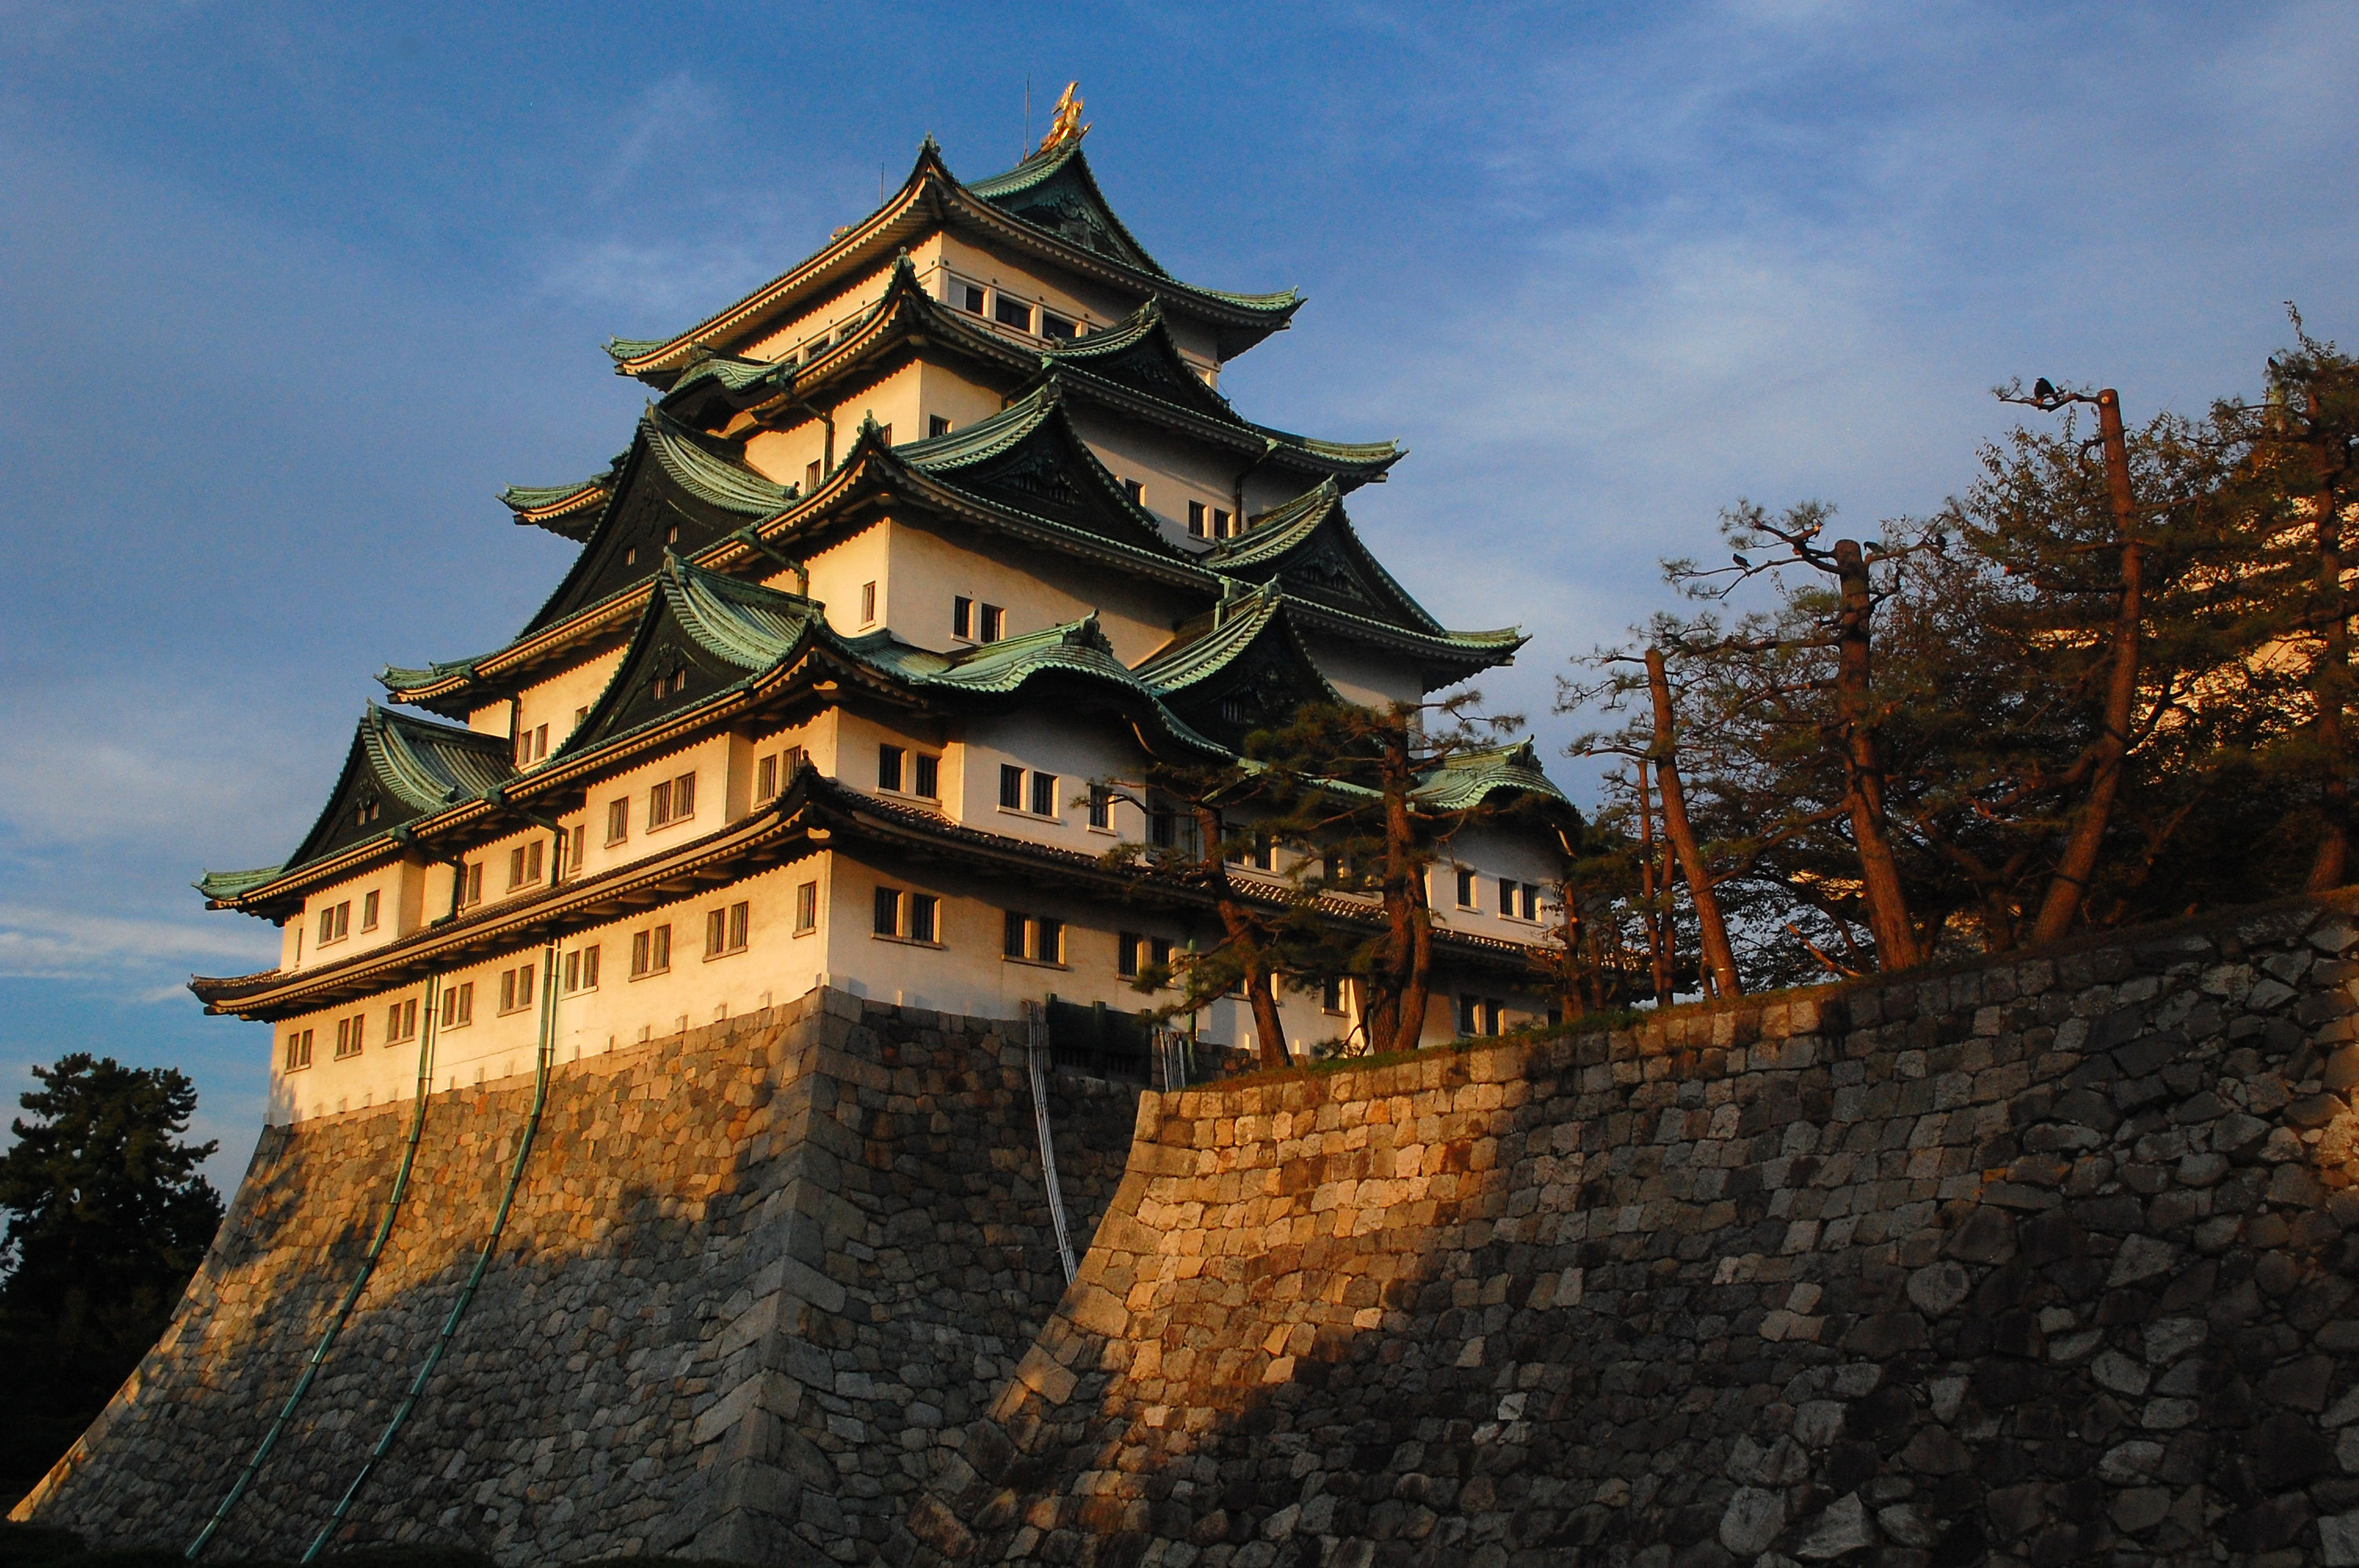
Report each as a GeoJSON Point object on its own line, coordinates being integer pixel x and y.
{"type": "Point", "coordinates": [367, 810]}
{"type": "Point", "coordinates": [671, 685]}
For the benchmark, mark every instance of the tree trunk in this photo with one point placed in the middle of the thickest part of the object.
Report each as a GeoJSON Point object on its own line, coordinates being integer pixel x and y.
{"type": "Point", "coordinates": [1409, 947]}
{"type": "Point", "coordinates": [1718, 955]}
{"type": "Point", "coordinates": [1650, 917]}
{"type": "Point", "coordinates": [1246, 940]}
{"type": "Point", "coordinates": [1880, 884]}
{"type": "Point", "coordinates": [2071, 883]}
{"type": "Point", "coordinates": [2330, 689]}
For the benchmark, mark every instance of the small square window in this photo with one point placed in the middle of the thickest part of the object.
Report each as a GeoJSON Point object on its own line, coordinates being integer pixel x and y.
{"type": "Point", "coordinates": [924, 916]}
{"type": "Point", "coordinates": [889, 912]}
{"type": "Point", "coordinates": [806, 908]}
{"type": "Point", "coordinates": [1465, 888]}
{"type": "Point", "coordinates": [889, 767]}
{"type": "Point", "coordinates": [1221, 529]}
{"type": "Point", "coordinates": [1044, 795]}
{"type": "Point", "coordinates": [936, 426]}
{"type": "Point", "coordinates": [928, 782]}
{"type": "Point", "coordinates": [650, 951]}
{"type": "Point", "coordinates": [1135, 491]}
{"type": "Point", "coordinates": [298, 1049]}
{"type": "Point", "coordinates": [1011, 786]}
{"type": "Point", "coordinates": [1331, 995]}
{"type": "Point", "coordinates": [991, 624]}
{"type": "Point", "coordinates": [1531, 901]}
{"type": "Point", "coordinates": [1055, 326]}
{"type": "Point", "coordinates": [968, 298]}
{"type": "Point", "coordinates": [1013, 313]}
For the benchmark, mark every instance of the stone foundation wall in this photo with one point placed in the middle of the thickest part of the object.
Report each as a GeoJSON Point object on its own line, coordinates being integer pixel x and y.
{"type": "Point", "coordinates": [2041, 1262]}
{"type": "Point", "coordinates": [754, 1273]}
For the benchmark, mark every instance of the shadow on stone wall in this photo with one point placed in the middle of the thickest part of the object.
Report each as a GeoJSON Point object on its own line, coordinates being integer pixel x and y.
{"type": "Point", "coordinates": [2041, 1262]}
{"type": "Point", "coordinates": [754, 1273]}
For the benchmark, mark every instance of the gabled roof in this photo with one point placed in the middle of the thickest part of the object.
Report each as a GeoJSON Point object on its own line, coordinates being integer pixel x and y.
{"type": "Point", "coordinates": [1137, 367]}
{"type": "Point", "coordinates": [1309, 548]}
{"type": "Point", "coordinates": [398, 768]}
{"type": "Point", "coordinates": [1029, 459]}
{"type": "Point", "coordinates": [1087, 241]}
{"type": "Point", "coordinates": [705, 634]}
{"type": "Point", "coordinates": [1245, 671]}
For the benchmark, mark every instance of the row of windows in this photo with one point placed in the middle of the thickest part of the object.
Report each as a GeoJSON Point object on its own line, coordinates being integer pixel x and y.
{"type": "Point", "coordinates": [673, 800]}
{"type": "Point", "coordinates": [907, 773]}
{"type": "Point", "coordinates": [773, 773]}
{"type": "Point", "coordinates": [1038, 800]}
{"type": "Point", "coordinates": [996, 304]}
{"type": "Point", "coordinates": [1211, 522]}
{"type": "Point", "coordinates": [1517, 900]}
{"type": "Point", "coordinates": [336, 919]}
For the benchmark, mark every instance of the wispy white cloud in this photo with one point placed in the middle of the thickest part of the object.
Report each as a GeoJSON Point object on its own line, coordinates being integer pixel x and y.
{"type": "Point", "coordinates": [40, 942]}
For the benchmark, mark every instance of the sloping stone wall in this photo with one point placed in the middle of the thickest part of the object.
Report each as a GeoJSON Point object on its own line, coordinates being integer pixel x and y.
{"type": "Point", "coordinates": [753, 1272]}
{"type": "Point", "coordinates": [2041, 1262]}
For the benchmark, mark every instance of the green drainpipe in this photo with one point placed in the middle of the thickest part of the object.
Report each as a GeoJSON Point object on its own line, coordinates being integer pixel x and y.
{"type": "Point", "coordinates": [344, 1312]}
{"type": "Point", "coordinates": [543, 1057]}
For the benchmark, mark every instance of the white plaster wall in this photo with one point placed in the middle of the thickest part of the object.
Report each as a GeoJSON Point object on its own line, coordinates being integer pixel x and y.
{"type": "Point", "coordinates": [1363, 675]}
{"type": "Point", "coordinates": [929, 563]}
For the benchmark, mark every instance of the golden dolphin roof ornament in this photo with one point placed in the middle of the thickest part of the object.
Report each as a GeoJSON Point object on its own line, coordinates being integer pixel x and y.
{"type": "Point", "coordinates": [1065, 124]}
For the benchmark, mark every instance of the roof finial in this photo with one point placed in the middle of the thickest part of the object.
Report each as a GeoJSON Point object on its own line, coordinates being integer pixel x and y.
{"type": "Point", "coordinates": [1065, 124]}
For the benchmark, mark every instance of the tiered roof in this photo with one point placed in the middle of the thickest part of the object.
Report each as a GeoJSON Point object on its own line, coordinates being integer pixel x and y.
{"type": "Point", "coordinates": [1048, 208]}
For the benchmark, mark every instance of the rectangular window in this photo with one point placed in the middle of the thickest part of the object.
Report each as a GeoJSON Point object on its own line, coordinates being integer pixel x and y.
{"type": "Point", "coordinates": [515, 865]}
{"type": "Point", "coordinates": [348, 1035]}
{"type": "Point", "coordinates": [925, 917]}
{"type": "Point", "coordinates": [889, 767]}
{"type": "Point", "coordinates": [1221, 529]}
{"type": "Point", "coordinates": [806, 908]}
{"type": "Point", "coordinates": [1101, 807]}
{"type": "Point", "coordinates": [1465, 888]}
{"type": "Point", "coordinates": [867, 603]}
{"type": "Point", "coordinates": [1196, 518]}
{"type": "Point", "coordinates": [811, 476]}
{"type": "Point", "coordinates": [401, 1022]}
{"type": "Point", "coordinates": [1470, 1014]}
{"type": "Point", "coordinates": [1127, 948]}
{"type": "Point", "coordinates": [618, 820]}
{"type": "Point", "coordinates": [660, 805]}
{"type": "Point", "coordinates": [962, 618]}
{"type": "Point", "coordinates": [1331, 995]}
{"type": "Point", "coordinates": [1494, 1015]}
{"type": "Point", "coordinates": [991, 624]}
{"type": "Point", "coordinates": [459, 1005]}
{"type": "Point", "coordinates": [577, 842]}
{"type": "Point", "coordinates": [1135, 491]}
{"type": "Point", "coordinates": [1507, 898]}
{"type": "Point", "coordinates": [368, 910]}
{"type": "Point", "coordinates": [725, 929]}
{"type": "Point", "coordinates": [298, 1049]}
{"type": "Point", "coordinates": [1034, 937]}
{"type": "Point", "coordinates": [673, 801]}
{"type": "Point", "coordinates": [1011, 786]}
{"type": "Point", "coordinates": [935, 427]}
{"type": "Point", "coordinates": [765, 778]}
{"type": "Point", "coordinates": [1044, 795]}
{"type": "Point", "coordinates": [1055, 326]}
{"type": "Point", "coordinates": [335, 920]}
{"type": "Point", "coordinates": [471, 882]}
{"type": "Point", "coordinates": [582, 970]}
{"type": "Point", "coordinates": [1163, 829]}
{"type": "Point", "coordinates": [1013, 313]}
{"type": "Point", "coordinates": [927, 783]}
{"type": "Point", "coordinates": [889, 912]}
{"type": "Point", "coordinates": [1531, 901]}
{"type": "Point", "coordinates": [650, 951]}
{"type": "Point", "coordinates": [967, 297]}
{"type": "Point", "coordinates": [515, 989]}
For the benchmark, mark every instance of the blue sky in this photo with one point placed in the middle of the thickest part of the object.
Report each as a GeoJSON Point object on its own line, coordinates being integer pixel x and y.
{"type": "Point", "coordinates": [291, 290]}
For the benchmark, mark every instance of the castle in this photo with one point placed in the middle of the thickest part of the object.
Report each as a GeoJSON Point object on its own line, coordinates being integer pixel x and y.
{"type": "Point", "coordinates": [920, 553]}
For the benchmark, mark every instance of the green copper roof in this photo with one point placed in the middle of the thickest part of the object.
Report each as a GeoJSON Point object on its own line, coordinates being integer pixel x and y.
{"type": "Point", "coordinates": [732, 486]}
{"type": "Point", "coordinates": [532, 497]}
{"type": "Point", "coordinates": [621, 348]}
{"type": "Point", "coordinates": [1466, 780]}
{"type": "Point", "coordinates": [222, 886]}
{"type": "Point", "coordinates": [1054, 190]}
